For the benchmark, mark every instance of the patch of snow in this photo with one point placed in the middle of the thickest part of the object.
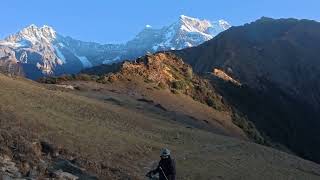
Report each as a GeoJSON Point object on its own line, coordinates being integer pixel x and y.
{"type": "Point", "coordinates": [148, 26]}
{"type": "Point", "coordinates": [116, 58]}
{"type": "Point", "coordinates": [155, 47]}
{"type": "Point", "coordinates": [61, 44]}
{"type": "Point", "coordinates": [188, 44]}
{"type": "Point", "coordinates": [60, 55]}
{"type": "Point", "coordinates": [85, 62]}
{"type": "Point", "coordinates": [184, 17]}
{"type": "Point", "coordinates": [35, 35]}
{"type": "Point", "coordinates": [39, 65]}
{"type": "Point", "coordinates": [11, 44]}
{"type": "Point", "coordinates": [224, 24]}
{"type": "Point", "coordinates": [24, 43]}
{"type": "Point", "coordinates": [169, 36]}
{"type": "Point", "coordinates": [190, 24]}
{"type": "Point", "coordinates": [108, 61]}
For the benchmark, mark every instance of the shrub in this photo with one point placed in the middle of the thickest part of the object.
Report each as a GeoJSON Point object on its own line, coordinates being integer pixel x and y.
{"type": "Point", "coordinates": [178, 85]}
{"type": "Point", "coordinates": [102, 79]}
{"type": "Point", "coordinates": [94, 77]}
{"type": "Point", "coordinates": [65, 78]}
{"type": "Point", "coordinates": [48, 80]}
{"type": "Point", "coordinates": [83, 77]}
{"type": "Point", "coordinates": [112, 78]}
{"type": "Point", "coordinates": [249, 128]}
{"type": "Point", "coordinates": [189, 73]}
{"type": "Point", "coordinates": [210, 102]}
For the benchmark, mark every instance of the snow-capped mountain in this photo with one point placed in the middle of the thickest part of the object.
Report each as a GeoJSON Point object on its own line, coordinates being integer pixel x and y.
{"type": "Point", "coordinates": [186, 32]}
{"type": "Point", "coordinates": [41, 51]}
{"type": "Point", "coordinates": [33, 43]}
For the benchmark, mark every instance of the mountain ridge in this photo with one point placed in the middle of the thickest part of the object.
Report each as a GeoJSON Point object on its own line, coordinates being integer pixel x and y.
{"type": "Point", "coordinates": [276, 61]}
{"type": "Point", "coordinates": [53, 54]}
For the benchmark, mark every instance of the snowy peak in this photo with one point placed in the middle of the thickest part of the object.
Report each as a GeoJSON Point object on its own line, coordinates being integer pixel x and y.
{"type": "Point", "coordinates": [185, 32]}
{"type": "Point", "coordinates": [224, 24]}
{"type": "Point", "coordinates": [36, 45]}
{"type": "Point", "coordinates": [190, 24]}
{"type": "Point", "coordinates": [205, 27]}
{"type": "Point", "coordinates": [34, 35]}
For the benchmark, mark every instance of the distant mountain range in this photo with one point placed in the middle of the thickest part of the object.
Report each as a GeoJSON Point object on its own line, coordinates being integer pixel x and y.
{"type": "Point", "coordinates": [41, 51]}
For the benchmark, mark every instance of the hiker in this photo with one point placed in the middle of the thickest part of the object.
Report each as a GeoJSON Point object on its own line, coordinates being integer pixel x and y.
{"type": "Point", "coordinates": [166, 168]}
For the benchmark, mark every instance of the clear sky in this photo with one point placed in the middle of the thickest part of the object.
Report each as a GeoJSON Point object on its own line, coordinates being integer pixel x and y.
{"type": "Point", "coordinates": [120, 20]}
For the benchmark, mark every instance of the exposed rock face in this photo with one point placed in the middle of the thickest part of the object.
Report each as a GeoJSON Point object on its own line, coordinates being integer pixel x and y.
{"type": "Point", "coordinates": [155, 68]}
{"type": "Point", "coordinates": [222, 75]}
{"type": "Point", "coordinates": [8, 168]}
{"type": "Point", "coordinates": [38, 53]}
{"type": "Point", "coordinates": [8, 62]}
{"type": "Point", "coordinates": [34, 41]}
{"type": "Point", "coordinates": [277, 61]}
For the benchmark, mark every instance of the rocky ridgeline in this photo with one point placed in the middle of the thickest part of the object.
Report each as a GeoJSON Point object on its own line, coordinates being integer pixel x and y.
{"type": "Point", "coordinates": [168, 71]}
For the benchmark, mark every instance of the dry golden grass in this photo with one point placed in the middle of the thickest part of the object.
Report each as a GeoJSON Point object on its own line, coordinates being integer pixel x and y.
{"type": "Point", "coordinates": [128, 139]}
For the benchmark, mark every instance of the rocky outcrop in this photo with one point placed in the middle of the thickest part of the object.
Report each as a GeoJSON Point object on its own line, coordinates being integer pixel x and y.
{"type": "Point", "coordinates": [8, 62]}
{"type": "Point", "coordinates": [166, 71]}
{"type": "Point", "coordinates": [222, 75]}
{"type": "Point", "coordinates": [23, 159]}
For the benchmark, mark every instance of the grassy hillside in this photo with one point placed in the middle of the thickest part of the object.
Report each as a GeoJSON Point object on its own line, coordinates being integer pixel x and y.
{"type": "Point", "coordinates": [114, 141]}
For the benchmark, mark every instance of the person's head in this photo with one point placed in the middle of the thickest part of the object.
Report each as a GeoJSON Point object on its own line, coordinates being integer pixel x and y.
{"type": "Point", "coordinates": [164, 153]}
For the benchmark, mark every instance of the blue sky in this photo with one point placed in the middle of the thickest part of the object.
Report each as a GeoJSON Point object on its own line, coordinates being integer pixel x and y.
{"type": "Point", "coordinates": [120, 20]}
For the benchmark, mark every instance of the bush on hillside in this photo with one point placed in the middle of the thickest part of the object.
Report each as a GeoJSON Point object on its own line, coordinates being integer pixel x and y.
{"type": "Point", "coordinates": [48, 80]}
{"type": "Point", "coordinates": [188, 73]}
{"type": "Point", "coordinates": [248, 127]}
{"type": "Point", "coordinates": [102, 79]}
{"type": "Point", "coordinates": [179, 85]}
{"type": "Point", "coordinates": [83, 77]}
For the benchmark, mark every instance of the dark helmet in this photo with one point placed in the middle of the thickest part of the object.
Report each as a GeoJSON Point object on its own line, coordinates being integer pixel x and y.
{"type": "Point", "coordinates": [164, 152]}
